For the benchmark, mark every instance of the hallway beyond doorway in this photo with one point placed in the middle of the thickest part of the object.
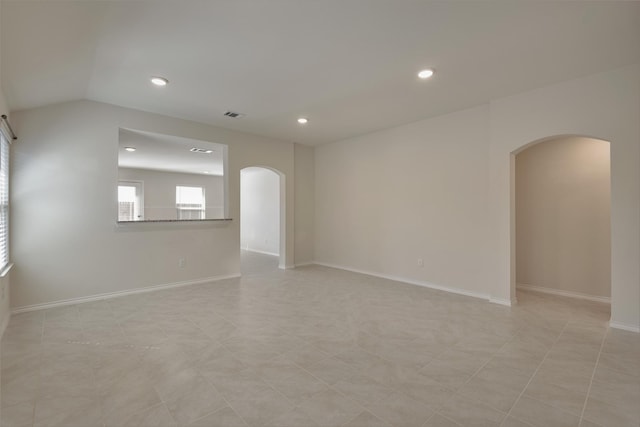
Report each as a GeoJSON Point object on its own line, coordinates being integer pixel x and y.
{"type": "Point", "coordinates": [257, 263]}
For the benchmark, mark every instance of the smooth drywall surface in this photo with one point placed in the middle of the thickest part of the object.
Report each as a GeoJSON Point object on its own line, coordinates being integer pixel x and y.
{"type": "Point", "coordinates": [260, 210]}
{"type": "Point", "coordinates": [442, 190]}
{"type": "Point", "coordinates": [3, 104]}
{"type": "Point", "coordinates": [5, 299]}
{"type": "Point", "coordinates": [563, 216]}
{"type": "Point", "coordinates": [416, 194]}
{"type": "Point", "coordinates": [65, 242]}
{"type": "Point", "coordinates": [305, 203]}
{"type": "Point", "coordinates": [159, 191]}
{"type": "Point", "coordinates": [604, 106]}
{"type": "Point", "coordinates": [5, 310]}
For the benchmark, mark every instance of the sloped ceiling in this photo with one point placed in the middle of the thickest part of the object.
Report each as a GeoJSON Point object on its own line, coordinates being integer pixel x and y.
{"type": "Point", "coordinates": [348, 65]}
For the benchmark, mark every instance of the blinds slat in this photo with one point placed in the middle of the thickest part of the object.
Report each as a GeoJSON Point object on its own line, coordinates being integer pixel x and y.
{"type": "Point", "coordinates": [4, 201]}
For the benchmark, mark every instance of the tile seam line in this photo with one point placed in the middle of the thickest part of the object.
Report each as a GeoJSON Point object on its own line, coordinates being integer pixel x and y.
{"type": "Point", "coordinates": [219, 342]}
{"type": "Point", "coordinates": [593, 375]}
{"type": "Point", "coordinates": [473, 376]}
{"type": "Point", "coordinates": [536, 371]}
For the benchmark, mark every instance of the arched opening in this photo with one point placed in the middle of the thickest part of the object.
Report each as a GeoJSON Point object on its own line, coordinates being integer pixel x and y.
{"type": "Point", "coordinates": [561, 218]}
{"type": "Point", "coordinates": [262, 220]}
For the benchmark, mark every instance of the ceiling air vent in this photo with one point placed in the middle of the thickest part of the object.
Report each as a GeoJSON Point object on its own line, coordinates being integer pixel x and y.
{"type": "Point", "coordinates": [201, 150]}
{"type": "Point", "coordinates": [233, 114]}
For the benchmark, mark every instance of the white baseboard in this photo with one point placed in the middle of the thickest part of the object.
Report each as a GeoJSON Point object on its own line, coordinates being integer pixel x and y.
{"type": "Point", "coordinates": [304, 264]}
{"type": "Point", "coordinates": [624, 326]}
{"type": "Point", "coordinates": [110, 295]}
{"type": "Point", "coordinates": [503, 301]}
{"type": "Point", "coordinates": [562, 293]}
{"type": "Point", "coordinates": [408, 281]}
{"type": "Point", "coordinates": [260, 252]}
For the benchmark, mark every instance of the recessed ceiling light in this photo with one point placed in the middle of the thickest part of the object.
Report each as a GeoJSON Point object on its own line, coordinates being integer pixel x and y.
{"type": "Point", "coordinates": [303, 121]}
{"type": "Point", "coordinates": [206, 172]}
{"type": "Point", "coordinates": [159, 81]}
{"type": "Point", "coordinates": [130, 148]}
{"type": "Point", "coordinates": [425, 74]}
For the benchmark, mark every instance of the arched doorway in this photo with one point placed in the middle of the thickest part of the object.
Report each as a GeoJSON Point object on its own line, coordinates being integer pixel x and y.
{"type": "Point", "coordinates": [262, 219]}
{"type": "Point", "coordinates": [563, 217]}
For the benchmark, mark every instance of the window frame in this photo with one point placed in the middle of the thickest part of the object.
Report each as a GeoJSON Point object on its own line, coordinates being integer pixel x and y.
{"type": "Point", "coordinates": [5, 204]}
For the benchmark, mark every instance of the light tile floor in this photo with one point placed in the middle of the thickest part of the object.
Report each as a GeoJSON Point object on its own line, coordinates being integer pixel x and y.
{"type": "Point", "coordinates": [256, 263]}
{"type": "Point", "coordinates": [319, 347]}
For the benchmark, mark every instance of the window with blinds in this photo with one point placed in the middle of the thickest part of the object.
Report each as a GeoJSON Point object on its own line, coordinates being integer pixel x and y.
{"type": "Point", "coordinates": [4, 201]}
{"type": "Point", "coordinates": [190, 202]}
{"type": "Point", "coordinates": [130, 196]}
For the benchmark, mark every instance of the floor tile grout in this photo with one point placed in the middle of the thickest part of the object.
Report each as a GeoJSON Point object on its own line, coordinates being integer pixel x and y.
{"type": "Point", "coordinates": [379, 329]}
{"type": "Point", "coordinates": [536, 371]}
{"type": "Point", "coordinates": [593, 374]}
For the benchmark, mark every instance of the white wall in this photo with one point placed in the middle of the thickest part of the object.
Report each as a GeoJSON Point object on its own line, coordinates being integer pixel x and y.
{"type": "Point", "coordinates": [3, 104]}
{"type": "Point", "coordinates": [160, 191]}
{"type": "Point", "coordinates": [305, 203]}
{"type": "Point", "coordinates": [441, 189]}
{"type": "Point", "coordinates": [419, 191]}
{"type": "Point", "coordinates": [563, 216]}
{"type": "Point", "coordinates": [70, 149]}
{"type": "Point", "coordinates": [260, 210]}
{"type": "Point", "coordinates": [604, 106]}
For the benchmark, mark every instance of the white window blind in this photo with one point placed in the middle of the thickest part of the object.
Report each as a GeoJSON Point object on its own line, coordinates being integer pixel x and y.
{"type": "Point", "coordinates": [190, 202]}
{"type": "Point", "coordinates": [4, 201]}
{"type": "Point", "coordinates": [130, 200]}
{"type": "Point", "coordinates": [126, 203]}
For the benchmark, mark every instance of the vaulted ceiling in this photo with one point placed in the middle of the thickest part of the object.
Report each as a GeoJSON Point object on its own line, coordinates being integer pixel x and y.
{"type": "Point", "coordinates": [348, 65]}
